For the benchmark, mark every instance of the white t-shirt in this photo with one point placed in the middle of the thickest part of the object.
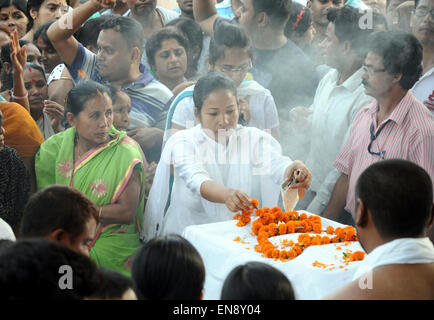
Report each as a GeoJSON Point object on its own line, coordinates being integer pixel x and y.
{"type": "Point", "coordinates": [423, 90]}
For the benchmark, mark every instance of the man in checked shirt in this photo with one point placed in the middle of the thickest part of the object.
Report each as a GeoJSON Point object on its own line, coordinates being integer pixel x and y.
{"type": "Point", "coordinates": [395, 125]}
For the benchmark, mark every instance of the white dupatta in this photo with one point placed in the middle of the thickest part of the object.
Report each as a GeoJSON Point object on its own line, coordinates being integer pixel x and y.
{"type": "Point", "coordinates": [253, 154]}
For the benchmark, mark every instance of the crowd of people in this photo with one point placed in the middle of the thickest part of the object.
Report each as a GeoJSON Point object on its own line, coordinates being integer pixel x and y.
{"type": "Point", "coordinates": [123, 122]}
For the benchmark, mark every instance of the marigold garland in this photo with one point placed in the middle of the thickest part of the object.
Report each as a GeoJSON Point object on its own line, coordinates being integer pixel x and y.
{"type": "Point", "coordinates": [273, 222]}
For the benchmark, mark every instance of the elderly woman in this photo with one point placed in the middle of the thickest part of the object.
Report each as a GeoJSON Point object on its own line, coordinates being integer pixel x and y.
{"type": "Point", "coordinates": [103, 163]}
{"type": "Point", "coordinates": [218, 165]}
{"type": "Point", "coordinates": [14, 14]}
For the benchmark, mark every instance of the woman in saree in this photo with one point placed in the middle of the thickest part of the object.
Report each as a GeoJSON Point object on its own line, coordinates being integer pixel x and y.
{"type": "Point", "coordinates": [103, 163]}
{"type": "Point", "coordinates": [217, 165]}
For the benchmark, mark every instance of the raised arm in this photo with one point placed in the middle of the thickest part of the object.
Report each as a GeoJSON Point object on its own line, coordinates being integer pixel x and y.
{"type": "Point", "coordinates": [61, 32]}
{"type": "Point", "coordinates": [205, 13]}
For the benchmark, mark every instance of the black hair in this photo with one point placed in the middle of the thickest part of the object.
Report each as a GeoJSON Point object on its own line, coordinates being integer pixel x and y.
{"type": "Point", "coordinates": [113, 92]}
{"type": "Point", "coordinates": [168, 268]}
{"type": "Point", "coordinates": [256, 281]}
{"type": "Point", "coordinates": [33, 270]}
{"type": "Point", "coordinates": [399, 195]}
{"type": "Point", "coordinates": [88, 33]}
{"type": "Point", "coordinates": [155, 42]}
{"type": "Point", "coordinates": [42, 32]}
{"type": "Point", "coordinates": [401, 53]}
{"type": "Point", "coordinates": [228, 35]}
{"type": "Point", "coordinates": [347, 28]}
{"type": "Point", "coordinates": [20, 5]}
{"type": "Point", "coordinates": [211, 82]}
{"type": "Point", "coordinates": [194, 34]}
{"type": "Point", "coordinates": [79, 95]}
{"type": "Point", "coordinates": [35, 5]}
{"type": "Point", "coordinates": [130, 29]}
{"type": "Point", "coordinates": [57, 207]}
{"type": "Point", "coordinates": [278, 11]}
{"type": "Point", "coordinates": [113, 285]}
{"type": "Point", "coordinates": [7, 78]}
{"type": "Point", "coordinates": [37, 68]}
{"type": "Point", "coordinates": [298, 22]}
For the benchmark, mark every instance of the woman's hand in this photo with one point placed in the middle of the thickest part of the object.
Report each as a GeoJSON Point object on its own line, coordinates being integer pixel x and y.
{"type": "Point", "coordinates": [301, 174]}
{"type": "Point", "coordinates": [245, 112]}
{"type": "Point", "coordinates": [18, 54]}
{"type": "Point", "coordinates": [237, 200]}
{"type": "Point", "coordinates": [56, 113]}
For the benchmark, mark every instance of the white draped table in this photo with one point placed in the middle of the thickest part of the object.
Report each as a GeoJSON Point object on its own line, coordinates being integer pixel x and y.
{"type": "Point", "coordinates": [220, 253]}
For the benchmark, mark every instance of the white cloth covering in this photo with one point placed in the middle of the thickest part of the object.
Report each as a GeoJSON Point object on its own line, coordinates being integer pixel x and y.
{"type": "Point", "coordinates": [399, 251]}
{"type": "Point", "coordinates": [423, 89]}
{"type": "Point", "coordinates": [251, 161]}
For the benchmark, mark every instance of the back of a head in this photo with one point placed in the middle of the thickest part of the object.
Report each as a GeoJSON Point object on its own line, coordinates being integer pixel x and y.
{"type": "Point", "coordinates": [88, 34]}
{"type": "Point", "coordinates": [256, 281]}
{"type": "Point", "coordinates": [33, 270]}
{"type": "Point", "coordinates": [278, 11]}
{"type": "Point", "coordinates": [348, 28]}
{"type": "Point", "coordinates": [129, 28]}
{"type": "Point", "coordinates": [228, 35]}
{"type": "Point", "coordinates": [399, 195]}
{"type": "Point", "coordinates": [113, 285]}
{"type": "Point", "coordinates": [57, 207]}
{"type": "Point", "coordinates": [401, 53]}
{"type": "Point", "coordinates": [168, 268]}
{"type": "Point", "coordinates": [191, 30]}
{"type": "Point", "coordinates": [299, 21]}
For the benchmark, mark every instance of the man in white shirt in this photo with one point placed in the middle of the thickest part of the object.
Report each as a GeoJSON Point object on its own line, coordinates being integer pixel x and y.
{"type": "Point", "coordinates": [338, 98]}
{"type": "Point", "coordinates": [422, 23]}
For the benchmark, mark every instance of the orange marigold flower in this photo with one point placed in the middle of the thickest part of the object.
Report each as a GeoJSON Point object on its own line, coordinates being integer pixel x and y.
{"type": "Point", "coordinates": [317, 228]}
{"type": "Point", "coordinates": [269, 253]}
{"type": "Point", "coordinates": [258, 248]}
{"type": "Point", "coordinates": [325, 240]}
{"type": "Point", "coordinates": [237, 239]}
{"type": "Point", "coordinates": [303, 216]}
{"type": "Point", "coordinates": [283, 254]}
{"type": "Point", "coordinates": [282, 228]}
{"type": "Point", "coordinates": [254, 202]}
{"type": "Point", "coordinates": [292, 254]}
{"type": "Point", "coordinates": [297, 249]}
{"type": "Point", "coordinates": [306, 242]}
{"type": "Point", "coordinates": [357, 256]}
{"type": "Point", "coordinates": [273, 229]}
{"type": "Point", "coordinates": [256, 225]}
{"type": "Point", "coordinates": [329, 230]}
{"type": "Point", "coordinates": [290, 227]}
{"type": "Point", "coordinates": [275, 254]}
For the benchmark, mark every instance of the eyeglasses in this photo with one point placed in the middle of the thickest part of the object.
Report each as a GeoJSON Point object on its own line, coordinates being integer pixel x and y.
{"type": "Point", "coordinates": [371, 71]}
{"type": "Point", "coordinates": [422, 12]}
{"type": "Point", "coordinates": [374, 136]}
{"type": "Point", "coordinates": [241, 69]}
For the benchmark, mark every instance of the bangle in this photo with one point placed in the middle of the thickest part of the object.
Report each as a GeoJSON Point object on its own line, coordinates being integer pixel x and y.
{"type": "Point", "coordinates": [16, 97]}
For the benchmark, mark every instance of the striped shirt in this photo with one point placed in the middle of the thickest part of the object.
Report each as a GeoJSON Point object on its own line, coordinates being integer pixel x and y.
{"type": "Point", "coordinates": [408, 134]}
{"type": "Point", "coordinates": [150, 99]}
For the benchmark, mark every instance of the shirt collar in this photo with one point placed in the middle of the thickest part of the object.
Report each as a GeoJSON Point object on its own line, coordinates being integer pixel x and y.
{"type": "Point", "coordinates": [144, 79]}
{"type": "Point", "coordinates": [398, 114]}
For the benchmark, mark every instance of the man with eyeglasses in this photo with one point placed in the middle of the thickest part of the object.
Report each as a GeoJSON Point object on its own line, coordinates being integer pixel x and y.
{"type": "Point", "coordinates": [422, 22]}
{"type": "Point", "coordinates": [395, 125]}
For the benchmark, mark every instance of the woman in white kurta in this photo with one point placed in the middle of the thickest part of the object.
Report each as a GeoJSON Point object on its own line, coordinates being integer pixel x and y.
{"type": "Point", "coordinates": [218, 165]}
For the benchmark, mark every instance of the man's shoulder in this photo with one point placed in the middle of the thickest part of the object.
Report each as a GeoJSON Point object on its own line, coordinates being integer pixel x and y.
{"type": "Point", "coordinates": [154, 88]}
